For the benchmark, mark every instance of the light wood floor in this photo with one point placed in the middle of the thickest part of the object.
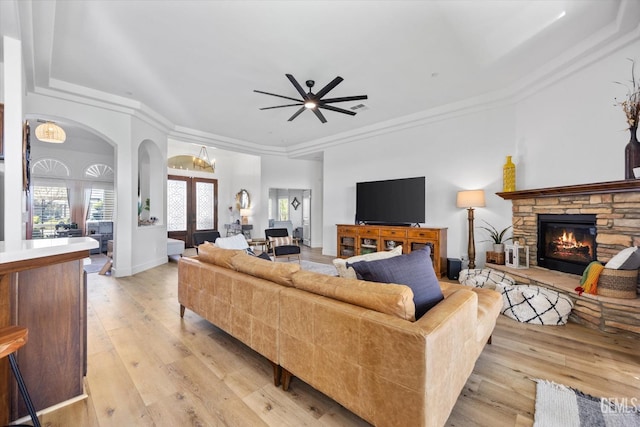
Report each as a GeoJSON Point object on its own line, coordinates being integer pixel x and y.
{"type": "Point", "coordinates": [149, 367]}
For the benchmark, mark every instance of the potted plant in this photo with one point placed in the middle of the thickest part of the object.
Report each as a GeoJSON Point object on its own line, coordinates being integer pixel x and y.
{"type": "Point", "coordinates": [496, 237]}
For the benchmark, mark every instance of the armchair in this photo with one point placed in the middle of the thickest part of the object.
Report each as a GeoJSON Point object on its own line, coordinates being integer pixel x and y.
{"type": "Point", "coordinates": [199, 237]}
{"type": "Point", "coordinates": [280, 244]}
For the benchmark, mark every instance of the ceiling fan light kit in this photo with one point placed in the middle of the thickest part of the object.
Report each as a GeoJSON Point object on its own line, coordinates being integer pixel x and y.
{"type": "Point", "coordinates": [314, 101]}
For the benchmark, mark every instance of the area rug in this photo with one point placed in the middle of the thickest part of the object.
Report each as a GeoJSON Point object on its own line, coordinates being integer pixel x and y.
{"type": "Point", "coordinates": [97, 262]}
{"type": "Point", "coordinates": [317, 267]}
{"type": "Point", "coordinates": [561, 406]}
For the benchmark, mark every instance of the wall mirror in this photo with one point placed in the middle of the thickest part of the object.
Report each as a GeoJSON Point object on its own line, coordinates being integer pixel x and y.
{"type": "Point", "coordinates": [242, 199]}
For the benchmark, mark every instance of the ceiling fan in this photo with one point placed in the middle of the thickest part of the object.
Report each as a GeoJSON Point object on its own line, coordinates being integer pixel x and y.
{"type": "Point", "coordinates": [313, 101]}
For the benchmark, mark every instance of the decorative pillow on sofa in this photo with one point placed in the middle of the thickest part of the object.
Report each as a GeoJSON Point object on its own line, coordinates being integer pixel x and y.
{"type": "Point", "coordinates": [626, 259]}
{"type": "Point", "coordinates": [233, 242]}
{"type": "Point", "coordinates": [349, 272]}
{"type": "Point", "coordinates": [414, 270]}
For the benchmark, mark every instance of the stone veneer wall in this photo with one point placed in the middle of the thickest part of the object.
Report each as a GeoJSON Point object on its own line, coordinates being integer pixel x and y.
{"type": "Point", "coordinates": [616, 205]}
{"type": "Point", "coordinates": [617, 219]}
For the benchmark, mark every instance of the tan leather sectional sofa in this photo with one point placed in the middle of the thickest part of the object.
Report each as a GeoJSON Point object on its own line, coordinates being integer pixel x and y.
{"type": "Point", "coordinates": [347, 338]}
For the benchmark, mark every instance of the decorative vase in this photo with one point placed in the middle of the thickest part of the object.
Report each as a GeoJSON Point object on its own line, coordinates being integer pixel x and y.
{"type": "Point", "coordinates": [631, 154]}
{"type": "Point", "coordinates": [509, 176]}
{"type": "Point", "coordinates": [498, 247]}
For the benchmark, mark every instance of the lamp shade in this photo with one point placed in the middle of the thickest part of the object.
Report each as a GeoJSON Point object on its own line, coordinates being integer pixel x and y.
{"type": "Point", "coordinates": [470, 199]}
{"type": "Point", "coordinates": [50, 132]}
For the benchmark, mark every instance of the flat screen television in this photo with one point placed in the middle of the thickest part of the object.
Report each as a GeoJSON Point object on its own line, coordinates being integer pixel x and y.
{"type": "Point", "coordinates": [391, 202]}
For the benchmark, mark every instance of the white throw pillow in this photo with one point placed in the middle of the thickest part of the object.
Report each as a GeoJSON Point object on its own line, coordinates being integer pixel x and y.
{"type": "Point", "coordinates": [234, 242]}
{"type": "Point", "coordinates": [626, 259]}
{"type": "Point", "coordinates": [341, 264]}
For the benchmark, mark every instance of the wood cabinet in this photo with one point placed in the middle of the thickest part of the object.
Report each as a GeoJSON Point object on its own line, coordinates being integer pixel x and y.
{"type": "Point", "coordinates": [47, 295]}
{"type": "Point", "coordinates": [363, 239]}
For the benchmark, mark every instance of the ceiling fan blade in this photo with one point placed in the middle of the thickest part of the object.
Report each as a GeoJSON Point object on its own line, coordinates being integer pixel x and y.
{"type": "Point", "coordinates": [344, 99]}
{"type": "Point", "coordinates": [319, 115]}
{"type": "Point", "coordinates": [280, 106]}
{"type": "Point", "coordinates": [333, 83]}
{"type": "Point", "coordinates": [295, 84]}
{"type": "Point", "coordinates": [336, 109]}
{"type": "Point", "coordinates": [297, 113]}
{"type": "Point", "coordinates": [279, 96]}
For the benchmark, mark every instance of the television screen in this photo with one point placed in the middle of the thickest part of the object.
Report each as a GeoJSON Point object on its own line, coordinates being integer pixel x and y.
{"type": "Point", "coordinates": [396, 201]}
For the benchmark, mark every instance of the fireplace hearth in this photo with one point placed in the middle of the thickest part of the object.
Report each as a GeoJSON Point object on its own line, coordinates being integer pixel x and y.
{"type": "Point", "coordinates": [566, 242]}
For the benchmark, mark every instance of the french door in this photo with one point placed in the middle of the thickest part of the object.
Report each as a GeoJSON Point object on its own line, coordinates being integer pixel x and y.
{"type": "Point", "coordinates": [192, 205]}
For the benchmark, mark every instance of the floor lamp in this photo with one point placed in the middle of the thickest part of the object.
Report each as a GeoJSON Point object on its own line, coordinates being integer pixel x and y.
{"type": "Point", "coordinates": [471, 199]}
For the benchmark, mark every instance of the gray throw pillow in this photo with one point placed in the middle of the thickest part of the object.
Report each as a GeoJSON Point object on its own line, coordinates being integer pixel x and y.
{"type": "Point", "coordinates": [414, 270]}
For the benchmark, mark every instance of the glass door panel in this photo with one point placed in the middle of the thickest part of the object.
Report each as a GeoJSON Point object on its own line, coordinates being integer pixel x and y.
{"type": "Point", "coordinates": [192, 206]}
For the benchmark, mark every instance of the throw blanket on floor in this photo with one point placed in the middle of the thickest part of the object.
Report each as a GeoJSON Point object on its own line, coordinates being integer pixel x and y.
{"type": "Point", "coordinates": [562, 406]}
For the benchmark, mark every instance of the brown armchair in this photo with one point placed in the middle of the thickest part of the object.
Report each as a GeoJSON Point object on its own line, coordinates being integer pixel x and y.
{"type": "Point", "coordinates": [280, 244]}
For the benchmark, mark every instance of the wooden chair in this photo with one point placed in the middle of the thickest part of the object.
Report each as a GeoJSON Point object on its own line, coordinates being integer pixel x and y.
{"type": "Point", "coordinates": [277, 250]}
{"type": "Point", "coordinates": [11, 339]}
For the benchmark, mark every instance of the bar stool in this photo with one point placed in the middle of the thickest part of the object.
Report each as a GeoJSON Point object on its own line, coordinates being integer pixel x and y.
{"type": "Point", "coordinates": [11, 339]}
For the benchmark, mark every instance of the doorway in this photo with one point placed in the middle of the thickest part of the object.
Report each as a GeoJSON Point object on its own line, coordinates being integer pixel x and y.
{"type": "Point", "coordinates": [291, 207]}
{"type": "Point", "coordinates": [192, 205]}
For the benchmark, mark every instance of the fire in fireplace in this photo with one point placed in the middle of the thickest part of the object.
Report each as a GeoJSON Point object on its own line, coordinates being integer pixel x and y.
{"type": "Point", "coordinates": [566, 242]}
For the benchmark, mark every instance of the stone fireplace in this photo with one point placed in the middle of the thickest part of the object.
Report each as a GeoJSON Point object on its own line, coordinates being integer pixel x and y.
{"type": "Point", "coordinates": [614, 209]}
{"type": "Point", "coordinates": [615, 205]}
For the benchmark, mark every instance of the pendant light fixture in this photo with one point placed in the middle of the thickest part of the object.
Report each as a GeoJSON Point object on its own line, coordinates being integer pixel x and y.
{"type": "Point", "coordinates": [50, 132]}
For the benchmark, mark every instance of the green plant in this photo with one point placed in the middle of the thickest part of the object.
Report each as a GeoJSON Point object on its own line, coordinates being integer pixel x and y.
{"type": "Point", "coordinates": [495, 236]}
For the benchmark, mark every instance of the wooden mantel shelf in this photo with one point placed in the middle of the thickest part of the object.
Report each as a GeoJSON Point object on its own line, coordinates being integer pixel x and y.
{"type": "Point", "coordinates": [575, 190]}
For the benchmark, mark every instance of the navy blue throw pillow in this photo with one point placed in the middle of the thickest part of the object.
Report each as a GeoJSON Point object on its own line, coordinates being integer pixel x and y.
{"type": "Point", "coordinates": [414, 270]}
{"type": "Point", "coordinates": [264, 256]}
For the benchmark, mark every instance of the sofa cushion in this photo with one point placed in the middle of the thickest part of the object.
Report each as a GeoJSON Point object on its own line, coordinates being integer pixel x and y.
{"type": "Point", "coordinates": [349, 272]}
{"type": "Point", "coordinates": [217, 256]}
{"type": "Point", "coordinates": [277, 272]}
{"type": "Point", "coordinates": [414, 270]}
{"type": "Point", "coordinates": [237, 241]}
{"type": "Point", "coordinates": [626, 259]}
{"type": "Point", "coordinates": [393, 299]}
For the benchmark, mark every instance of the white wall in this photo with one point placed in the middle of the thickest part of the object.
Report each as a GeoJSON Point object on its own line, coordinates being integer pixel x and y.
{"type": "Point", "coordinates": [279, 172]}
{"type": "Point", "coordinates": [125, 133]}
{"type": "Point", "coordinates": [571, 132]}
{"type": "Point", "coordinates": [568, 132]}
{"type": "Point", "coordinates": [460, 153]}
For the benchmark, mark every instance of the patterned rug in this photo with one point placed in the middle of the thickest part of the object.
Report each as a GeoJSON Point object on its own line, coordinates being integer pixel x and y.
{"type": "Point", "coordinates": [327, 269]}
{"type": "Point", "coordinates": [561, 406]}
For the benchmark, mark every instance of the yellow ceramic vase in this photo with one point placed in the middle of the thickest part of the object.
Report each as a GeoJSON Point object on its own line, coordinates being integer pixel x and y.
{"type": "Point", "coordinates": [509, 176]}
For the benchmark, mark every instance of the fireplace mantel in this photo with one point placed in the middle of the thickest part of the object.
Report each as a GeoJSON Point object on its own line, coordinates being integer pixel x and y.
{"type": "Point", "coordinates": [575, 190]}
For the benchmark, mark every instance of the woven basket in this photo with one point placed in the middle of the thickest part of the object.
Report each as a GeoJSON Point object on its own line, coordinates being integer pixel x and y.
{"type": "Point", "coordinates": [618, 283]}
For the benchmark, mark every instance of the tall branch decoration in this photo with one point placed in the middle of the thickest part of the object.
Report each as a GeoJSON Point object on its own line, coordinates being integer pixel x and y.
{"type": "Point", "coordinates": [631, 108]}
